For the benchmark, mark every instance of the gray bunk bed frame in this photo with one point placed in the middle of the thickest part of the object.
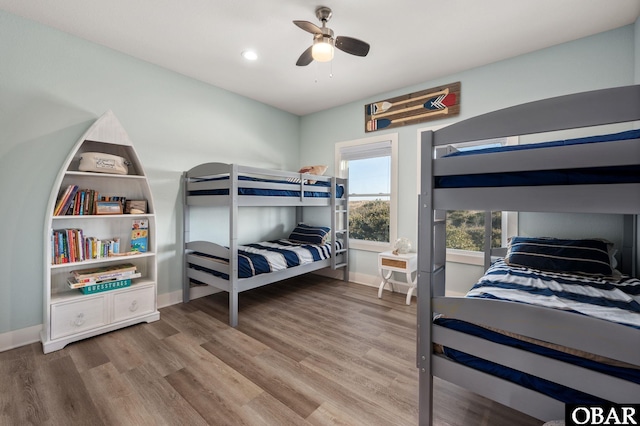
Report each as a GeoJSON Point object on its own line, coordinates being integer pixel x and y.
{"type": "Point", "coordinates": [599, 107]}
{"type": "Point", "coordinates": [193, 181]}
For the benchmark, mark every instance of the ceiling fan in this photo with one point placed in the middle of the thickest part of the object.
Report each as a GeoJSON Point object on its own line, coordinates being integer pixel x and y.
{"type": "Point", "coordinates": [323, 42]}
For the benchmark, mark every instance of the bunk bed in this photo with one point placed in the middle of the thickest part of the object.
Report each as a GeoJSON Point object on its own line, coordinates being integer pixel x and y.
{"type": "Point", "coordinates": [236, 267]}
{"type": "Point", "coordinates": [478, 341]}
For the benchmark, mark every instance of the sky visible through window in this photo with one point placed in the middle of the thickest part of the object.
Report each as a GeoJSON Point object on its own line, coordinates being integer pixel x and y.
{"type": "Point", "coordinates": [370, 176]}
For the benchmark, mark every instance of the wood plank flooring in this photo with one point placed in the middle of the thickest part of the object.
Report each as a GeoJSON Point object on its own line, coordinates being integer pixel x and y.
{"type": "Point", "coordinates": [307, 351]}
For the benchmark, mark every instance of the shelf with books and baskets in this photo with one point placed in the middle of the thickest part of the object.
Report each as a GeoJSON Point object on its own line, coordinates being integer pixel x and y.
{"type": "Point", "coordinates": [100, 218]}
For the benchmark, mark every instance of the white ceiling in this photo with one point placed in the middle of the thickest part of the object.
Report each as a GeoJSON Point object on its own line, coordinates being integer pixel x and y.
{"type": "Point", "coordinates": [412, 41]}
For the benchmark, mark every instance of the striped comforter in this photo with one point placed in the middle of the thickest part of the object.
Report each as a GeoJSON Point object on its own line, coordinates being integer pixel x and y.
{"type": "Point", "coordinates": [612, 299]}
{"type": "Point", "coordinates": [276, 255]}
{"type": "Point", "coordinates": [271, 256]}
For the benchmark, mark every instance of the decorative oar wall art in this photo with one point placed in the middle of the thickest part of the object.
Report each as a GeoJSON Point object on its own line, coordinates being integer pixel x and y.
{"type": "Point", "coordinates": [418, 107]}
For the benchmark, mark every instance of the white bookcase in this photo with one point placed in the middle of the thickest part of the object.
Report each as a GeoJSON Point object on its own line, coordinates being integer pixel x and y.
{"type": "Point", "coordinates": [70, 315]}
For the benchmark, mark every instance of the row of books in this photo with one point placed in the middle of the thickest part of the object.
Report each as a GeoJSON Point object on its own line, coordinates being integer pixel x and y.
{"type": "Point", "coordinates": [75, 201]}
{"type": "Point", "coordinates": [103, 276]}
{"type": "Point", "coordinates": [70, 245]}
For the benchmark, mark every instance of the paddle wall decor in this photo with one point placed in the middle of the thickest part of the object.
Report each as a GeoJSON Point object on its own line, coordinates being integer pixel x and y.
{"type": "Point", "coordinates": [417, 107]}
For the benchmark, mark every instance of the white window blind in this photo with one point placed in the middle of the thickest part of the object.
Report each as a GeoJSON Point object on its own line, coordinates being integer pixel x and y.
{"type": "Point", "coordinates": [369, 150]}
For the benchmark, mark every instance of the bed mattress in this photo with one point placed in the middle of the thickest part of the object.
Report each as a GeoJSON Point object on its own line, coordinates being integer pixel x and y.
{"type": "Point", "coordinates": [294, 190]}
{"type": "Point", "coordinates": [586, 176]}
{"type": "Point", "coordinates": [613, 299]}
{"type": "Point", "coordinates": [271, 256]}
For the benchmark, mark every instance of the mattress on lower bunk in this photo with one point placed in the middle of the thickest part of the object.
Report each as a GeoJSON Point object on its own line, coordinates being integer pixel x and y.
{"type": "Point", "coordinates": [271, 256]}
{"type": "Point", "coordinates": [612, 299]}
{"type": "Point", "coordinates": [293, 191]}
{"type": "Point", "coordinates": [585, 176]}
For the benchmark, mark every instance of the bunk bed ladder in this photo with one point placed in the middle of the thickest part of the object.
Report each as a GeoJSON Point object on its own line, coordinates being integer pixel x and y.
{"type": "Point", "coordinates": [340, 227]}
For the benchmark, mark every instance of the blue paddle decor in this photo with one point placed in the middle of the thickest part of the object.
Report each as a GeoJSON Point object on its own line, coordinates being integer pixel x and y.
{"type": "Point", "coordinates": [380, 107]}
{"type": "Point", "coordinates": [381, 123]}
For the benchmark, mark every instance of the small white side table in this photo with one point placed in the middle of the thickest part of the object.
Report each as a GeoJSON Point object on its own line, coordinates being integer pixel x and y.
{"type": "Point", "coordinates": [406, 263]}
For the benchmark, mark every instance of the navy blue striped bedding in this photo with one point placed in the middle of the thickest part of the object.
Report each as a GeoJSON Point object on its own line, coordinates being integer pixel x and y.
{"type": "Point", "coordinates": [585, 176]}
{"type": "Point", "coordinates": [293, 192]}
{"type": "Point", "coordinates": [551, 389]}
{"type": "Point", "coordinates": [271, 256]}
{"type": "Point", "coordinates": [615, 299]}
{"type": "Point", "coordinates": [584, 256]}
{"type": "Point", "coordinates": [612, 299]}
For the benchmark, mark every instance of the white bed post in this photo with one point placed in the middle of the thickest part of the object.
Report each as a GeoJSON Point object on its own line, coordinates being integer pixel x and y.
{"type": "Point", "coordinates": [233, 245]}
{"type": "Point", "coordinates": [425, 277]}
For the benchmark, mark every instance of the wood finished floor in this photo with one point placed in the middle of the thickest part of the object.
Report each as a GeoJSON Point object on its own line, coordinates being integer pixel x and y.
{"type": "Point", "coordinates": [308, 351]}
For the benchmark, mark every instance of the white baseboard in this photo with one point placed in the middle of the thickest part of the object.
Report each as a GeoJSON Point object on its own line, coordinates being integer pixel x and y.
{"type": "Point", "coordinates": [16, 338]}
{"type": "Point", "coordinates": [168, 299]}
{"type": "Point", "coordinates": [359, 278]}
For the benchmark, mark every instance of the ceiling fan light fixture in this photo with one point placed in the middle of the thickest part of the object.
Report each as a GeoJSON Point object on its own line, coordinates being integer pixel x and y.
{"type": "Point", "coordinates": [322, 50]}
{"type": "Point", "coordinates": [324, 44]}
{"type": "Point", "coordinates": [249, 55]}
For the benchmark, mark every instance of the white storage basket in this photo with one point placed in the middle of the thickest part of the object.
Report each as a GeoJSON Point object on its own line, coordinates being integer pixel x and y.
{"type": "Point", "coordinates": [103, 163]}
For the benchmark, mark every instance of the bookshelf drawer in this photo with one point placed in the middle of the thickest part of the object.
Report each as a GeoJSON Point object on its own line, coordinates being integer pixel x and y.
{"type": "Point", "coordinates": [129, 304]}
{"type": "Point", "coordinates": [73, 317]}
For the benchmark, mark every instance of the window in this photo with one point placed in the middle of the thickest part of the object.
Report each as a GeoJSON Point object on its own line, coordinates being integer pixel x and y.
{"type": "Point", "coordinates": [371, 166]}
{"type": "Point", "coordinates": [465, 229]}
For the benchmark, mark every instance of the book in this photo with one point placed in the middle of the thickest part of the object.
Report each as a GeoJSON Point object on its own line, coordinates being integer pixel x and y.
{"type": "Point", "coordinates": [103, 272]}
{"type": "Point", "coordinates": [85, 282]}
{"type": "Point", "coordinates": [140, 235]}
{"type": "Point", "coordinates": [65, 199]}
{"type": "Point", "coordinates": [111, 285]}
{"type": "Point", "coordinates": [101, 278]}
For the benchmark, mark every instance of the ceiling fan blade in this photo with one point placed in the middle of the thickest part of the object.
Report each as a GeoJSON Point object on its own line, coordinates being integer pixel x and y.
{"type": "Point", "coordinates": [352, 45]}
{"type": "Point", "coordinates": [306, 58]}
{"type": "Point", "coordinates": [308, 26]}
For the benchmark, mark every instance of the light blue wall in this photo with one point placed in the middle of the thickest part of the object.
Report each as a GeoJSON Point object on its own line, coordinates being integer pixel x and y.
{"type": "Point", "coordinates": [53, 86]}
{"type": "Point", "coordinates": [596, 62]}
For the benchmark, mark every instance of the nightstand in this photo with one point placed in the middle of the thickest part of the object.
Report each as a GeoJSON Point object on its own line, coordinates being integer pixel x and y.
{"type": "Point", "coordinates": [406, 263]}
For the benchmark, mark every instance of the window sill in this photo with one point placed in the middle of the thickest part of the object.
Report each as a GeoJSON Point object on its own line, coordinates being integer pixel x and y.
{"type": "Point", "coordinates": [369, 245]}
{"type": "Point", "coordinates": [465, 256]}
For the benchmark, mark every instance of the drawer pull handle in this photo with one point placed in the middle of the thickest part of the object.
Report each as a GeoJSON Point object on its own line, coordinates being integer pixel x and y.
{"type": "Point", "coordinates": [79, 320]}
{"type": "Point", "coordinates": [134, 306]}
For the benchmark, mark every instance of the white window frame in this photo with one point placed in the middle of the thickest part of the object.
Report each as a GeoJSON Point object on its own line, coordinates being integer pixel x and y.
{"type": "Point", "coordinates": [342, 171]}
{"type": "Point", "coordinates": [509, 219]}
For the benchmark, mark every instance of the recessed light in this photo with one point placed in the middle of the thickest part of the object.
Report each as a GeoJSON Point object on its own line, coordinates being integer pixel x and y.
{"type": "Point", "coordinates": [249, 55]}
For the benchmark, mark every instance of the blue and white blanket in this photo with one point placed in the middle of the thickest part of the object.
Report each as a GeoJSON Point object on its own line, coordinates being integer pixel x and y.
{"type": "Point", "coordinates": [276, 255]}
{"type": "Point", "coordinates": [613, 299]}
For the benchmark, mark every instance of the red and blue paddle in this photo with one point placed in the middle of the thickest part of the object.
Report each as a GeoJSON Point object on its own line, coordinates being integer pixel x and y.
{"type": "Point", "coordinates": [381, 123]}
{"type": "Point", "coordinates": [380, 107]}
